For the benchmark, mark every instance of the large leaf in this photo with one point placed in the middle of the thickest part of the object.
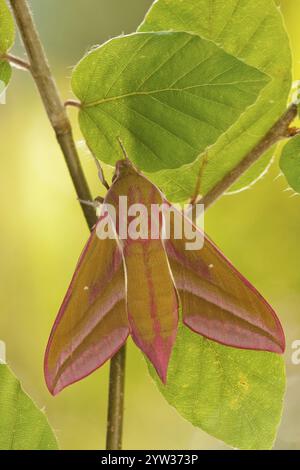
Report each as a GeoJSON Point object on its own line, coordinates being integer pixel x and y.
{"type": "Point", "coordinates": [290, 163]}
{"type": "Point", "coordinates": [7, 35]}
{"type": "Point", "coordinates": [168, 96]}
{"type": "Point", "coordinates": [7, 32]}
{"type": "Point", "coordinates": [248, 29]}
{"type": "Point", "coordinates": [22, 425]}
{"type": "Point", "coordinates": [235, 395]}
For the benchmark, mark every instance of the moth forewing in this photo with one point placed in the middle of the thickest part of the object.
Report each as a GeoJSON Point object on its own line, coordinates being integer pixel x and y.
{"type": "Point", "coordinates": [91, 324]}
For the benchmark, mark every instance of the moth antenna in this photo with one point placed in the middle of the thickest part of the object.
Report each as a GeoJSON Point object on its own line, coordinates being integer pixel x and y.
{"type": "Point", "coordinates": [123, 148]}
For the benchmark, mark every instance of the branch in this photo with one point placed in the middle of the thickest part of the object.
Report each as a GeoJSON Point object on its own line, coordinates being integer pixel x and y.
{"type": "Point", "coordinates": [279, 131]}
{"type": "Point", "coordinates": [59, 120]}
{"type": "Point", "coordinates": [115, 410]}
{"type": "Point", "coordinates": [16, 61]}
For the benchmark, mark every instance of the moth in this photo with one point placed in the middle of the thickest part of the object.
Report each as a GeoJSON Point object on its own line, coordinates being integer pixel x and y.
{"type": "Point", "coordinates": [130, 286]}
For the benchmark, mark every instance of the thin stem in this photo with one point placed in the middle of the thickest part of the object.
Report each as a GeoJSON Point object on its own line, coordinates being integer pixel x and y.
{"type": "Point", "coordinates": [279, 131]}
{"type": "Point", "coordinates": [16, 62]}
{"type": "Point", "coordinates": [75, 103]}
{"type": "Point", "coordinates": [59, 120]}
{"type": "Point", "coordinates": [116, 401]}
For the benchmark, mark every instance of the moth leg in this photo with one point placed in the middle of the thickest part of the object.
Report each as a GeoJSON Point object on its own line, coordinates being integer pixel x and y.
{"type": "Point", "coordinates": [96, 204]}
{"type": "Point", "coordinates": [100, 173]}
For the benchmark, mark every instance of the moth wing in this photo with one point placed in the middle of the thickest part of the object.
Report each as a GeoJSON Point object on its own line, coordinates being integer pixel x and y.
{"type": "Point", "coordinates": [217, 301]}
{"type": "Point", "coordinates": [91, 324]}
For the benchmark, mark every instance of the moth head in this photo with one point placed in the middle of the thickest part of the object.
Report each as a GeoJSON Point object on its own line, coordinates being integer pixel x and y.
{"type": "Point", "coordinates": [123, 168]}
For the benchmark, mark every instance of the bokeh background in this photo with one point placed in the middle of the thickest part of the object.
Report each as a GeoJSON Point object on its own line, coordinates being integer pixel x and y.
{"type": "Point", "coordinates": [43, 231]}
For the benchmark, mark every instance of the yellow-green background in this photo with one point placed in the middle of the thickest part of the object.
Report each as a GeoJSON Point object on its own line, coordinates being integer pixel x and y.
{"type": "Point", "coordinates": [43, 231]}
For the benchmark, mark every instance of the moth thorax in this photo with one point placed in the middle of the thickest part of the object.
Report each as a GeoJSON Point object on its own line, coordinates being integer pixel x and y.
{"type": "Point", "coordinates": [123, 168]}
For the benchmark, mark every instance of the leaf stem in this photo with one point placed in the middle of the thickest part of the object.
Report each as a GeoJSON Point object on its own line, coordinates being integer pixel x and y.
{"type": "Point", "coordinates": [16, 61]}
{"type": "Point", "coordinates": [59, 120]}
{"type": "Point", "coordinates": [75, 103]}
{"type": "Point", "coordinates": [279, 131]}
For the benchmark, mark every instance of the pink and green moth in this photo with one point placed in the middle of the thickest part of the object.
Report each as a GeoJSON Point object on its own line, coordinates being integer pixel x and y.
{"type": "Point", "coordinates": [137, 287]}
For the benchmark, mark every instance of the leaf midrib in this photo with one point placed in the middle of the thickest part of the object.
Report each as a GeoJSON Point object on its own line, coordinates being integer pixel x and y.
{"type": "Point", "coordinates": [162, 90]}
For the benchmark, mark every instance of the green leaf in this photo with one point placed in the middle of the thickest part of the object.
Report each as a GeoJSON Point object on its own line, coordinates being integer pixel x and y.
{"type": "Point", "coordinates": [22, 425]}
{"type": "Point", "coordinates": [168, 96]}
{"type": "Point", "coordinates": [248, 29]}
{"type": "Point", "coordinates": [235, 395]}
{"type": "Point", "coordinates": [7, 36]}
{"type": "Point", "coordinates": [7, 30]}
{"type": "Point", "coordinates": [290, 163]}
{"type": "Point", "coordinates": [5, 74]}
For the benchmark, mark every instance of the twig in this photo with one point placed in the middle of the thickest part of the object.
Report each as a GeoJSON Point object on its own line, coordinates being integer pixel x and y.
{"type": "Point", "coordinates": [75, 103]}
{"type": "Point", "coordinates": [59, 120]}
{"type": "Point", "coordinates": [16, 61]}
{"type": "Point", "coordinates": [279, 131]}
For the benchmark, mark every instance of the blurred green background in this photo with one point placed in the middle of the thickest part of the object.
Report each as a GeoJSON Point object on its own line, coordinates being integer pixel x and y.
{"type": "Point", "coordinates": [43, 231]}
